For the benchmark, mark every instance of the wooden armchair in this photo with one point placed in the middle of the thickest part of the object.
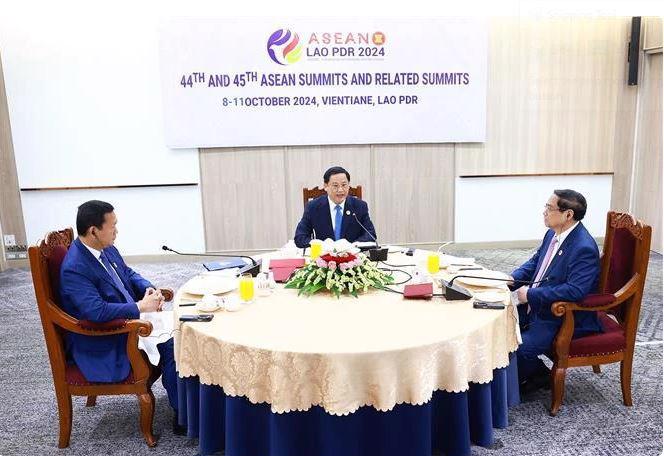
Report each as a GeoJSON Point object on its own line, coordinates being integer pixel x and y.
{"type": "Point", "coordinates": [624, 264]}
{"type": "Point", "coordinates": [45, 261]}
{"type": "Point", "coordinates": [314, 192]}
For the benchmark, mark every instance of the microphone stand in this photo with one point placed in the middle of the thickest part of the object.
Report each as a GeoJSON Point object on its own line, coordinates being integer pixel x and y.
{"type": "Point", "coordinates": [378, 253]}
{"type": "Point", "coordinates": [253, 268]}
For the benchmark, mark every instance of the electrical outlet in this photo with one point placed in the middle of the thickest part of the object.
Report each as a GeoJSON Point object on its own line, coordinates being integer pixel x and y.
{"type": "Point", "coordinates": [10, 240]}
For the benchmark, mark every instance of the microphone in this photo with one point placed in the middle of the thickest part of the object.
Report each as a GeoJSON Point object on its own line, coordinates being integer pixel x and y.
{"type": "Point", "coordinates": [253, 268]}
{"type": "Point", "coordinates": [375, 254]}
{"type": "Point", "coordinates": [456, 293]}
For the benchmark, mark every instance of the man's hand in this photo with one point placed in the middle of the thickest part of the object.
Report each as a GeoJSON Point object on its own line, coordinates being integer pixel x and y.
{"type": "Point", "coordinates": [151, 302]}
{"type": "Point", "coordinates": [522, 294]}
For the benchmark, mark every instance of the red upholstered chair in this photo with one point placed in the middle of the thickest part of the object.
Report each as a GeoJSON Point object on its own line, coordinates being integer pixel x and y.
{"type": "Point", "coordinates": [45, 261]}
{"type": "Point", "coordinates": [624, 264]}
{"type": "Point", "coordinates": [314, 192]}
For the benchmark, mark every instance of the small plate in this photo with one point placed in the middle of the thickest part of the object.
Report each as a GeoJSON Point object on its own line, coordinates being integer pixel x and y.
{"type": "Point", "coordinates": [203, 285]}
{"type": "Point", "coordinates": [207, 309]}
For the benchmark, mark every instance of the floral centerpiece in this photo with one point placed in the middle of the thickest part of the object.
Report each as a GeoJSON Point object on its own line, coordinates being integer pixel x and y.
{"type": "Point", "coordinates": [339, 270]}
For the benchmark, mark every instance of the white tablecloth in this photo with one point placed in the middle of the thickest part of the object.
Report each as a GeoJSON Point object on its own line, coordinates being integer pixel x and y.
{"type": "Point", "coordinates": [379, 349]}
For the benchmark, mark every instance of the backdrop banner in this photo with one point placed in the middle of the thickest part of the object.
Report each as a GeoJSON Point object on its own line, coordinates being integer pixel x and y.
{"type": "Point", "coordinates": [258, 82]}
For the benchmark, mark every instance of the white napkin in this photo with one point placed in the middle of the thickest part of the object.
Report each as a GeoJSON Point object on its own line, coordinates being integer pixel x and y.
{"type": "Point", "coordinates": [162, 327]}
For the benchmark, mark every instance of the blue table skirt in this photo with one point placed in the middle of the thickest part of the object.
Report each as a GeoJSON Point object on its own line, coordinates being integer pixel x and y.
{"type": "Point", "coordinates": [447, 423]}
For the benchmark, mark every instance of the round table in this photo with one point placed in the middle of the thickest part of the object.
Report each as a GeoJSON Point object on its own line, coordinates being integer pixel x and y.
{"type": "Point", "coordinates": [324, 358]}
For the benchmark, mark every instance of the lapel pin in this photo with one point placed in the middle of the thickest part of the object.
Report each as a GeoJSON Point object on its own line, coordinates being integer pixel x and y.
{"type": "Point", "coordinates": [560, 252]}
{"type": "Point", "coordinates": [347, 212]}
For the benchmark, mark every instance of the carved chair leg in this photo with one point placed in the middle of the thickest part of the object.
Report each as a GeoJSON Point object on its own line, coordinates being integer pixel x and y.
{"type": "Point", "coordinates": [146, 402]}
{"type": "Point", "coordinates": [596, 369]}
{"type": "Point", "coordinates": [91, 402]}
{"type": "Point", "coordinates": [557, 388]}
{"type": "Point", "coordinates": [626, 379]}
{"type": "Point", "coordinates": [64, 413]}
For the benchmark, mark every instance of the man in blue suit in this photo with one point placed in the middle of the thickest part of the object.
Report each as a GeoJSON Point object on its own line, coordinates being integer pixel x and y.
{"type": "Point", "coordinates": [567, 263]}
{"type": "Point", "coordinates": [97, 285]}
{"type": "Point", "coordinates": [334, 215]}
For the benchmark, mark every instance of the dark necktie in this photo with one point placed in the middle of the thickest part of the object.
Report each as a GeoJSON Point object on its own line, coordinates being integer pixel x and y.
{"type": "Point", "coordinates": [115, 277]}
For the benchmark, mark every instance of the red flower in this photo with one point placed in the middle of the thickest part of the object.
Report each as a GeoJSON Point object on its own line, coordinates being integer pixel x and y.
{"type": "Point", "coordinates": [338, 259]}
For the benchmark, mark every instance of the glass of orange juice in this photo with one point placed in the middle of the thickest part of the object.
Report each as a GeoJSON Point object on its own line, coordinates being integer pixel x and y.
{"type": "Point", "coordinates": [246, 288]}
{"type": "Point", "coordinates": [315, 248]}
{"type": "Point", "coordinates": [433, 263]}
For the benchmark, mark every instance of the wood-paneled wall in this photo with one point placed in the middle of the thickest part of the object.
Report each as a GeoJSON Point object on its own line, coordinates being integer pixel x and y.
{"type": "Point", "coordinates": [552, 100]}
{"type": "Point", "coordinates": [3, 262]}
{"type": "Point", "coordinates": [647, 202]}
{"type": "Point", "coordinates": [11, 213]}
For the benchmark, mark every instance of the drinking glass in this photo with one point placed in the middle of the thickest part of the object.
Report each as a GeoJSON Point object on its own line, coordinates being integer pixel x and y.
{"type": "Point", "coordinates": [246, 287]}
{"type": "Point", "coordinates": [316, 248]}
{"type": "Point", "coordinates": [433, 263]}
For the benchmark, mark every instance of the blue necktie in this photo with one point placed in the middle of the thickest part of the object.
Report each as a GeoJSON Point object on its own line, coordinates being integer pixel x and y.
{"type": "Point", "coordinates": [337, 223]}
{"type": "Point", "coordinates": [115, 277]}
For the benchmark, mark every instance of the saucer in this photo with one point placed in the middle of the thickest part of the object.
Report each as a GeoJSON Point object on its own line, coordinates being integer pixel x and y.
{"type": "Point", "coordinates": [205, 308]}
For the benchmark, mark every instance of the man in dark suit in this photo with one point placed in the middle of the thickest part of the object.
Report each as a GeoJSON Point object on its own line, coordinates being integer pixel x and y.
{"type": "Point", "coordinates": [567, 262]}
{"type": "Point", "coordinates": [333, 215]}
{"type": "Point", "coordinates": [97, 285]}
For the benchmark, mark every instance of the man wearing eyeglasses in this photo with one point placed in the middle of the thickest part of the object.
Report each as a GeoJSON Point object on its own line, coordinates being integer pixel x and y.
{"type": "Point", "coordinates": [335, 215]}
{"type": "Point", "coordinates": [566, 265]}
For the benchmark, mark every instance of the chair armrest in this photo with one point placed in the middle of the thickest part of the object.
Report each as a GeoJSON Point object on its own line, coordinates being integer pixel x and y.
{"type": "Point", "coordinates": [596, 302]}
{"type": "Point", "coordinates": [86, 328]}
{"type": "Point", "coordinates": [118, 323]}
{"type": "Point", "coordinates": [167, 293]}
{"type": "Point", "coordinates": [140, 364]}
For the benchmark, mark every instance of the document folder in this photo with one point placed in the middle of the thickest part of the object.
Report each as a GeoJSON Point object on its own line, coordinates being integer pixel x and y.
{"type": "Point", "coordinates": [283, 268]}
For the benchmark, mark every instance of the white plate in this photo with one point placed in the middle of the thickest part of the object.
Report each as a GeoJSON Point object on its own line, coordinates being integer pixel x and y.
{"type": "Point", "coordinates": [203, 285]}
{"type": "Point", "coordinates": [490, 296]}
{"type": "Point", "coordinates": [483, 282]}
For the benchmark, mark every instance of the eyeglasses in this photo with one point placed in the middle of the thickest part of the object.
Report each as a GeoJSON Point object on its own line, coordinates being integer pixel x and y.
{"type": "Point", "coordinates": [549, 208]}
{"type": "Point", "coordinates": [336, 187]}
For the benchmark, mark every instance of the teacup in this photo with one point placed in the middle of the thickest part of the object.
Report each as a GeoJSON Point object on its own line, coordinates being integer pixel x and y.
{"type": "Point", "coordinates": [232, 303]}
{"type": "Point", "coordinates": [209, 303]}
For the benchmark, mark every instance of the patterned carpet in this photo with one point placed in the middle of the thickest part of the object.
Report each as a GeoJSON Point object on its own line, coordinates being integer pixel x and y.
{"type": "Point", "coordinates": [593, 420]}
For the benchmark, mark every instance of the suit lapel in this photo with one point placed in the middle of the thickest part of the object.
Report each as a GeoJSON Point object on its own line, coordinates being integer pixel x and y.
{"type": "Point", "coordinates": [95, 265]}
{"type": "Point", "coordinates": [562, 250]}
{"type": "Point", "coordinates": [324, 208]}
